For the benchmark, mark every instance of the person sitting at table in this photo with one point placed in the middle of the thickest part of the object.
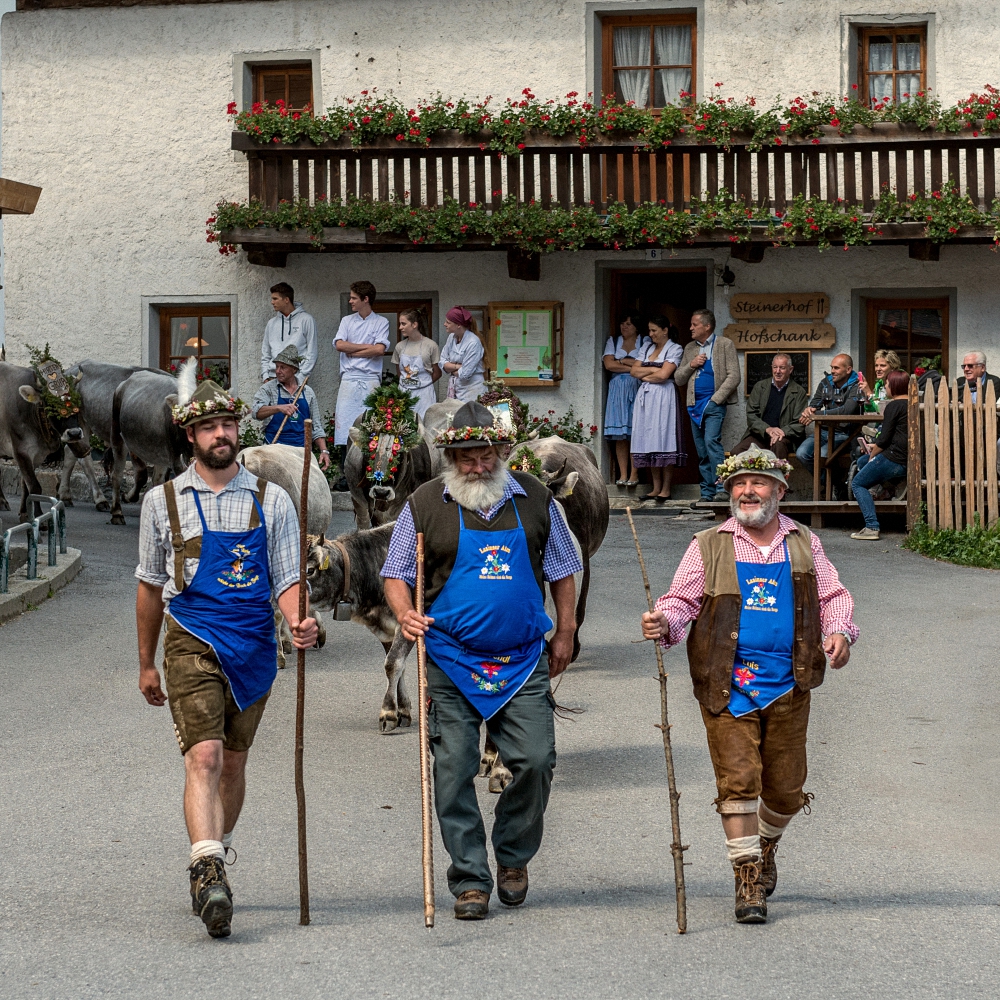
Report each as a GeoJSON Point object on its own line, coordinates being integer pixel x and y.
{"type": "Point", "coordinates": [837, 393]}
{"type": "Point", "coordinates": [885, 362]}
{"type": "Point", "coordinates": [974, 372]}
{"type": "Point", "coordinates": [773, 409]}
{"type": "Point", "coordinates": [886, 458]}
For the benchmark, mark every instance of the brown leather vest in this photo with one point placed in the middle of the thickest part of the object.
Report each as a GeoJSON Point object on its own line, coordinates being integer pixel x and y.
{"type": "Point", "coordinates": [712, 641]}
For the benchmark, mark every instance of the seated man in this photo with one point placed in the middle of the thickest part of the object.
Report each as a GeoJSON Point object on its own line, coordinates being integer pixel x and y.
{"type": "Point", "coordinates": [773, 410]}
{"type": "Point", "coordinates": [974, 372]}
{"type": "Point", "coordinates": [838, 392]}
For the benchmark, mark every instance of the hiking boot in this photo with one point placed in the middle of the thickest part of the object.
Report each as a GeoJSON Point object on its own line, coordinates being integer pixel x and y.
{"type": "Point", "coordinates": [211, 896]}
{"type": "Point", "coordinates": [866, 535]}
{"type": "Point", "coordinates": [751, 900]}
{"type": "Point", "coordinates": [512, 885]}
{"type": "Point", "coordinates": [768, 868]}
{"type": "Point", "coordinates": [473, 904]}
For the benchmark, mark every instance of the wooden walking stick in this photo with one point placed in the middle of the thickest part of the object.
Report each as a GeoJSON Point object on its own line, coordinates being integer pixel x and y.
{"type": "Point", "coordinates": [295, 400]}
{"type": "Point", "coordinates": [300, 681]}
{"type": "Point", "coordinates": [426, 821]}
{"type": "Point", "coordinates": [676, 848]}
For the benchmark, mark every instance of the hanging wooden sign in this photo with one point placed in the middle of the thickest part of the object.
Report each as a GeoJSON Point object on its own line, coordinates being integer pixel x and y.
{"type": "Point", "coordinates": [777, 336]}
{"type": "Point", "coordinates": [786, 306]}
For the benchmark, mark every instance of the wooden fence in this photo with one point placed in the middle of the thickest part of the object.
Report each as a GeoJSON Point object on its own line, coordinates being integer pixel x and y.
{"type": "Point", "coordinates": [952, 465]}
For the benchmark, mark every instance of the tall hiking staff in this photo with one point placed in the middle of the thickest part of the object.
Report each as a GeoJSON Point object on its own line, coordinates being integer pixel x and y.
{"type": "Point", "coordinates": [676, 848]}
{"type": "Point", "coordinates": [426, 822]}
{"type": "Point", "coordinates": [294, 402]}
{"type": "Point", "coordinates": [300, 675]}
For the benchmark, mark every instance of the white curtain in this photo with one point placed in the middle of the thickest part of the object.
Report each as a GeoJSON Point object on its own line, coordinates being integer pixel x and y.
{"type": "Point", "coordinates": [632, 49]}
{"type": "Point", "coordinates": [907, 58]}
{"type": "Point", "coordinates": [880, 61]}
{"type": "Point", "coordinates": [671, 47]}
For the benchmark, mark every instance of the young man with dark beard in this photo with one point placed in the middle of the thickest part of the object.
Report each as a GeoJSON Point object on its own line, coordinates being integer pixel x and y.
{"type": "Point", "coordinates": [215, 544]}
{"type": "Point", "coordinates": [768, 610]}
{"type": "Point", "coordinates": [491, 537]}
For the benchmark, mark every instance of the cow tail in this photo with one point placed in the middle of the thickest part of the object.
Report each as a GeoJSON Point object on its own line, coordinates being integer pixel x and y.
{"type": "Point", "coordinates": [117, 442]}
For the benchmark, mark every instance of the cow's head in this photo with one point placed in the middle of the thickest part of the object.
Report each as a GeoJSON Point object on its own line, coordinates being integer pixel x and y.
{"type": "Point", "coordinates": [325, 572]}
{"type": "Point", "coordinates": [57, 402]}
{"type": "Point", "coordinates": [385, 455]}
{"type": "Point", "coordinates": [560, 481]}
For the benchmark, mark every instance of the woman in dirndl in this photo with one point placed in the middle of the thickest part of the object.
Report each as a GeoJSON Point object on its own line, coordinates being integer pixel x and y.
{"type": "Point", "coordinates": [656, 429]}
{"type": "Point", "coordinates": [619, 357]}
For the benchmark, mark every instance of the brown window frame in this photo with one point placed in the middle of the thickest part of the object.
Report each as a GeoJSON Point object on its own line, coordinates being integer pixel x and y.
{"type": "Point", "coordinates": [864, 36]}
{"type": "Point", "coordinates": [259, 69]}
{"type": "Point", "coordinates": [873, 308]}
{"type": "Point", "coordinates": [612, 21]}
{"type": "Point", "coordinates": [396, 305]}
{"type": "Point", "coordinates": [167, 313]}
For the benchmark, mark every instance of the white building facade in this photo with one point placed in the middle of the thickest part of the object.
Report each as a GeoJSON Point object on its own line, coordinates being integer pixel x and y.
{"type": "Point", "coordinates": [119, 113]}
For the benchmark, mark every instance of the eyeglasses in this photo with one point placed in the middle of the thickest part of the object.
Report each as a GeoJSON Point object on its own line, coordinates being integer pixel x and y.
{"type": "Point", "coordinates": [976, 365]}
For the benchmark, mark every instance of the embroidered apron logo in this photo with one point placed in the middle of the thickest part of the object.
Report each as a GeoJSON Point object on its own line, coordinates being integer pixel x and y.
{"type": "Point", "coordinates": [495, 568]}
{"type": "Point", "coordinates": [487, 684]}
{"type": "Point", "coordinates": [761, 596]}
{"type": "Point", "coordinates": [236, 576]}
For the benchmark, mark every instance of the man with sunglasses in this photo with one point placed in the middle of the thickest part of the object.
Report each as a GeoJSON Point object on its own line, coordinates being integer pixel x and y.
{"type": "Point", "coordinates": [974, 373]}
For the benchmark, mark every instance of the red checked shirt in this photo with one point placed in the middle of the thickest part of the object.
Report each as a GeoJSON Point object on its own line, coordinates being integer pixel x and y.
{"type": "Point", "coordinates": [682, 603]}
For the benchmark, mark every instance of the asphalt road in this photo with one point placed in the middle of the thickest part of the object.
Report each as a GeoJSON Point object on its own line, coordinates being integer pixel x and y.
{"type": "Point", "coordinates": [889, 889]}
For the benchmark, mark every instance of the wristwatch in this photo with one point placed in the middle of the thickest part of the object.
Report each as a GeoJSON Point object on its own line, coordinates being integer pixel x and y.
{"type": "Point", "coordinates": [847, 638]}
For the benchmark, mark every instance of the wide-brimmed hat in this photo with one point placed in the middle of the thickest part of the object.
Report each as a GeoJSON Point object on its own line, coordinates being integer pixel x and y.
{"type": "Point", "coordinates": [755, 460]}
{"type": "Point", "coordinates": [289, 356]}
{"type": "Point", "coordinates": [473, 426]}
{"type": "Point", "coordinates": [209, 400]}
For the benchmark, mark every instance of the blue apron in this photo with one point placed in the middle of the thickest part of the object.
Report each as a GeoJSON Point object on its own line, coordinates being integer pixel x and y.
{"type": "Point", "coordinates": [294, 432]}
{"type": "Point", "coordinates": [762, 672]}
{"type": "Point", "coordinates": [228, 606]}
{"type": "Point", "coordinates": [489, 618]}
{"type": "Point", "coordinates": [704, 384]}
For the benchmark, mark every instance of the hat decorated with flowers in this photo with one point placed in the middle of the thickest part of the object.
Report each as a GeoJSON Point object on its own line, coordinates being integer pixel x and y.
{"type": "Point", "coordinates": [197, 401]}
{"type": "Point", "coordinates": [754, 459]}
{"type": "Point", "coordinates": [473, 426]}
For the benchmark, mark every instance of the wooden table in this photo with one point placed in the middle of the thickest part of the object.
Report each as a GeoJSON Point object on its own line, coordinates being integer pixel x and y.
{"type": "Point", "coordinates": [833, 453]}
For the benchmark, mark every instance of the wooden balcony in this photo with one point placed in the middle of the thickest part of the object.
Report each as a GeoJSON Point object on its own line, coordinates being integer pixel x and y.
{"type": "Point", "coordinates": [552, 172]}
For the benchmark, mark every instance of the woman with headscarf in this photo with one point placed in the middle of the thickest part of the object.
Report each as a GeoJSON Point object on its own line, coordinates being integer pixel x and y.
{"type": "Point", "coordinates": [416, 358]}
{"type": "Point", "coordinates": [619, 357]}
{"type": "Point", "coordinates": [462, 355]}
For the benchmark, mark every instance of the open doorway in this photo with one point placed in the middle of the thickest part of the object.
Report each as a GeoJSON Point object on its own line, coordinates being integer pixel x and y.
{"type": "Point", "coordinates": [675, 293]}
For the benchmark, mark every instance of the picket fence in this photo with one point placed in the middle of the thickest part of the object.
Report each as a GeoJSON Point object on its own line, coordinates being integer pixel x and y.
{"type": "Point", "coordinates": [952, 466]}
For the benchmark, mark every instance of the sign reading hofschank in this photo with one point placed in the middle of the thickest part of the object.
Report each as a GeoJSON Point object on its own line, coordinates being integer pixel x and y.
{"type": "Point", "coordinates": [782, 336]}
{"type": "Point", "coordinates": [787, 306]}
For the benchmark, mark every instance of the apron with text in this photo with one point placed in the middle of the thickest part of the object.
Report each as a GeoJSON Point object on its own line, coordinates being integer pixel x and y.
{"type": "Point", "coordinates": [489, 618]}
{"type": "Point", "coordinates": [704, 384]}
{"type": "Point", "coordinates": [228, 606]}
{"type": "Point", "coordinates": [762, 672]}
{"type": "Point", "coordinates": [294, 432]}
{"type": "Point", "coordinates": [417, 380]}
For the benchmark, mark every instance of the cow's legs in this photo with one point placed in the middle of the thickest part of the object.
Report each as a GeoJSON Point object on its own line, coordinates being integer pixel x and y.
{"type": "Point", "coordinates": [117, 471]}
{"type": "Point", "coordinates": [141, 472]}
{"type": "Point", "coordinates": [69, 464]}
{"type": "Point", "coordinates": [4, 505]}
{"type": "Point", "coordinates": [581, 607]}
{"type": "Point", "coordinates": [29, 485]}
{"type": "Point", "coordinates": [395, 710]}
{"type": "Point", "coordinates": [87, 462]}
{"type": "Point", "coordinates": [491, 764]}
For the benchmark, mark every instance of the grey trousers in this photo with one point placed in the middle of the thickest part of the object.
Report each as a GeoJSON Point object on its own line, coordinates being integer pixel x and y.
{"type": "Point", "coordinates": [524, 733]}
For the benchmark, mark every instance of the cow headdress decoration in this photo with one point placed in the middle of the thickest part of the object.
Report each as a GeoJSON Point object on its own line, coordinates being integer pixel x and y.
{"type": "Point", "coordinates": [60, 398]}
{"type": "Point", "coordinates": [197, 401]}
{"type": "Point", "coordinates": [389, 414]}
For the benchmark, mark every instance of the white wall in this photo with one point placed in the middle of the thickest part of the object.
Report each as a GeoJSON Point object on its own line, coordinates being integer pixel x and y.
{"type": "Point", "coordinates": [6, 6]}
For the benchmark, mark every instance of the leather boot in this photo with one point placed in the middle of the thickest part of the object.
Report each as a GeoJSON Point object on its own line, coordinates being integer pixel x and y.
{"type": "Point", "coordinates": [751, 900]}
{"type": "Point", "coordinates": [768, 868]}
{"type": "Point", "coordinates": [512, 885]}
{"type": "Point", "coordinates": [211, 896]}
{"type": "Point", "coordinates": [473, 904]}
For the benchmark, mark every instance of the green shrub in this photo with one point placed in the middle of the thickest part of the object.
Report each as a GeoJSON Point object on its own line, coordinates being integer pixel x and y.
{"type": "Point", "coordinates": [972, 546]}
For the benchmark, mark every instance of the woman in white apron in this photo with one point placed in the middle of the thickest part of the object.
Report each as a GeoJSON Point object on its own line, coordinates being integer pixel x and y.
{"type": "Point", "coordinates": [416, 358]}
{"type": "Point", "coordinates": [462, 356]}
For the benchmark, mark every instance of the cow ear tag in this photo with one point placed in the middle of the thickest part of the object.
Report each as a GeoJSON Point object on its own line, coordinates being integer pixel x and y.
{"type": "Point", "coordinates": [325, 564]}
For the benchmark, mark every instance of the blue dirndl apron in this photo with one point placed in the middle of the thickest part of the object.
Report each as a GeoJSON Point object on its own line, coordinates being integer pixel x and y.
{"type": "Point", "coordinates": [489, 618]}
{"type": "Point", "coordinates": [294, 432]}
{"type": "Point", "coordinates": [228, 606]}
{"type": "Point", "coordinates": [762, 672]}
{"type": "Point", "coordinates": [704, 384]}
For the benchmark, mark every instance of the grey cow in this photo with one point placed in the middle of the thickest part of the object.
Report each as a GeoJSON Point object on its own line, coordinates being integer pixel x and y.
{"type": "Point", "coordinates": [27, 434]}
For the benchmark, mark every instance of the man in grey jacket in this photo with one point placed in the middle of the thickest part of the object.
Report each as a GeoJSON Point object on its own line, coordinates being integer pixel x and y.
{"type": "Point", "coordinates": [773, 410]}
{"type": "Point", "coordinates": [710, 369]}
{"type": "Point", "coordinates": [290, 326]}
{"type": "Point", "coordinates": [838, 392]}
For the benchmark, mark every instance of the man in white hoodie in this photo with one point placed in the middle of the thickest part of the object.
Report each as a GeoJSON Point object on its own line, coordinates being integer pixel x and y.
{"type": "Point", "coordinates": [290, 325]}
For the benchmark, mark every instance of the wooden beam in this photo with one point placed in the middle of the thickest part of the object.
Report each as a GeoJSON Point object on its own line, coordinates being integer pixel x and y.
{"type": "Point", "coordinates": [925, 250]}
{"type": "Point", "coordinates": [17, 198]}
{"type": "Point", "coordinates": [749, 253]}
{"type": "Point", "coordinates": [524, 265]}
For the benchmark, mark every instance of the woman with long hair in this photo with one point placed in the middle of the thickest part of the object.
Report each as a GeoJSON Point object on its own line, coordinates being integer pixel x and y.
{"type": "Point", "coordinates": [656, 430]}
{"type": "Point", "coordinates": [416, 358]}
{"type": "Point", "coordinates": [462, 355]}
{"type": "Point", "coordinates": [619, 356]}
{"type": "Point", "coordinates": [885, 362]}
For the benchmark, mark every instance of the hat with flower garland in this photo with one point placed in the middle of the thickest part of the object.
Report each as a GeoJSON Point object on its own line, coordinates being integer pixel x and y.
{"type": "Point", "coordinates": [756, 460]}
{"type": "Point", "coordinates": [198, 401]}
{"type": "Point", "coordinates": [473, 426]}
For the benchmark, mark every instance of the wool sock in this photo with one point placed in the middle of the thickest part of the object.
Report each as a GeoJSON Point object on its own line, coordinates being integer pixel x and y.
{"type": "Point", "coordinates": [743, 847]}
{"type": "Point", "coordinates": [207, 849]}
{"type": "Point", "coordinates": [227, 840]}
{"type": "Point", "coordinates": [768, 830]}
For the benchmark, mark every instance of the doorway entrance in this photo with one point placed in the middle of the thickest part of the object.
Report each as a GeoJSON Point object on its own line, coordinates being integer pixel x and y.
{"type": "Point", "coordinates": [675, 293]}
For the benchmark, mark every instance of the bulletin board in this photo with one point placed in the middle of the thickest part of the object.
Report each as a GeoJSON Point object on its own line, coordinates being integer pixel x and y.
{"type": "Point", "coordinates": [525, 342]}
{"type": "Point", "coordinates": [758, 367]}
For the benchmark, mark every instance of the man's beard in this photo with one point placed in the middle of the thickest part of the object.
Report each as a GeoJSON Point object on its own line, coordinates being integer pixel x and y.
{"type": "Point", "coordinates": [476, 490]}
{"type": "Point", "coordinates": [213, 458]}
{"type": "Point", "coordinates": [758, 518]}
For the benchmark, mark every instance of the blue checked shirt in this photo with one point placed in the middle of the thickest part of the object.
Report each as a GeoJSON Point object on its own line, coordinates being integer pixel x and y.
{"type": "Point", "coordinates": [560, 559]}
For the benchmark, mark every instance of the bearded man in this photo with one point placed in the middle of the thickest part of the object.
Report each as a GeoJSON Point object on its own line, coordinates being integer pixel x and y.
{"type": "Point", "coordinates": [768, 609]}
{"type": "Point", "coordinates": [491, 537]}
{"type": "Point", "coordinates": [215, 544]}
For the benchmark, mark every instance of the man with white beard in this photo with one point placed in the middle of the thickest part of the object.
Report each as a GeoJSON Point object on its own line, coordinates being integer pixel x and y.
{"type": "Point", "coordinates": [768, 610]}
{"type": "Point", "coordinates": [491, 537]}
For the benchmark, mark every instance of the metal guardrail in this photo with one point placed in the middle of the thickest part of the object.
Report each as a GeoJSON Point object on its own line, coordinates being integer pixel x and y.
{"type": "Point", "coordinates": [56, 518]}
